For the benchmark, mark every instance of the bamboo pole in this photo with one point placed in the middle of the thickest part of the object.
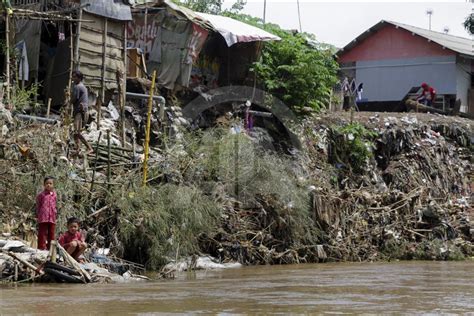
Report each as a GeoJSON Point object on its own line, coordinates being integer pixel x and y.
{"type": "Point", "coordinates": [148, 127]}
{"type": "Point", "coordinates": [71, 68]}
{"type": "Point", "coordinates": [119, 75]}
{"type": "Point", "coordinates": [145, 48]}
{"type": "Point", "coordinates": [104, 69]}
{"type": "Point", "coordinates": [52, 251]}
{"type": "Point", "coordinates": [134, 144]}
{"type": "Point", "coordinates": [109, 172]}
{"type": "Point", "coordinates": [7, 53]}
{"type": "Point", "coordinates": [78, 39]}
{"type": "Point", "coordinates": [124, 84]}
{"type": "Point", "coordinates": [49, 108]}
{"type": "Point", "coordinates": [26, 263]}
{"type": "Point", "coordinates": [95, 162]}
{"type": "Point", "coordinates": [74, 263]}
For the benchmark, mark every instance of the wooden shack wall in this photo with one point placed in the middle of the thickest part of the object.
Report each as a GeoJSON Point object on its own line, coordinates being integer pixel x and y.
{"type": "Point", "coordinates": [91, 51]}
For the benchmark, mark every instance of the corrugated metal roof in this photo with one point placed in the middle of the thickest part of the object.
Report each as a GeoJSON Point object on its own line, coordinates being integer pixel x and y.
{"type": "Point", "coordinates": [189, 14]}
{"type": "Point", "coordinates": [232, 30]}
{"type": "Point", "coordinates": [457, 44]}
{"type": "Point", "coordinates": [108, 8]}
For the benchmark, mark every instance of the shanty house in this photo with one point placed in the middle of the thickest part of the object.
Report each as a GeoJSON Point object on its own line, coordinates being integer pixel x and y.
{"type": "Point", "coordinates": [191, 49]}
{"type": "Point", "coordinates": [98, 47]}
{"type": "Point", "coordinates": [391, 58]}
{"type": "Point", "coordinates": [54, 37]}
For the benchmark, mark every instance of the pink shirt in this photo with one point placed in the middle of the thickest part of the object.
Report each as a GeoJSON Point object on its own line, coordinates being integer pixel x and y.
{"type": "Point", "coordinates": [46, 207]}
{"type": "Point", "coordinates": [67, 237]}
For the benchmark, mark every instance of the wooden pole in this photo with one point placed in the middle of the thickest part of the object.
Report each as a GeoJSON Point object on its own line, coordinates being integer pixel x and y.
{"type": "Point", "coordinates": [123, 97]}
{"type": "Point", "coordinates": [109, 174]}
{"type": "Point", "coordinates": [67, 257]}
{"type": "Point", "coordinates": [52, 251]}
{"type": "Point", "coordinates": [16, 273]}
{"type": "Point", "coordinates": [145, 48]}
{"type": "Point", "coordinates": [104, 69]}
{"type": "Point", "coordinates": [95, 162]}
{"type": "Point", "coordinates": [49, 108]}
{"type": "Point", "coordinates": [77, 58]}
{"type": "Point", "coordinates": [22, 63]}
{"type": "Point", "coordinates": [25, 263]}
{"type": "Point", "coordinates": [148, 127]}
{"type": "Point", "coordinates": [119, 75]}
{"type": "Point", "coordinates": [134, 144]}
{"type": "Point", "coordinates": [71, 67]}
{"type": "Point", "coordinates": [7, 53]}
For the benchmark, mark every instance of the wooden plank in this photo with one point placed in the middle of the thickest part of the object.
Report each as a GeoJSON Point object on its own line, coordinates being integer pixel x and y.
{"type": "Point", "coordinates": [93, 52]}
{"type": "Point", "coordinates": [97, 37]}
{"type": "Point", "coordinates": [470, 98]}
{"type": "Point", "coordinates": [95, 43]}
{"type": "Point", "coordinates": [67, 257]}
{"type": "Point", "coordinates": [95, 70]}
{"type": "Point", "coordinates": [95, 30]}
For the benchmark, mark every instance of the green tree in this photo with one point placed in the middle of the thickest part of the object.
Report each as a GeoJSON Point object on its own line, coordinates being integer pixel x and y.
{"type": "Point", "coordinates": [296, 69]}
{"type": "Point", "coordinates": [469, 23]}
{"type": "Point", "coordinates": [211, 6]}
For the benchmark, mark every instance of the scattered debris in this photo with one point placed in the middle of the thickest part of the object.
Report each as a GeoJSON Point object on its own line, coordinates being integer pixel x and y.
{"type": "Point", "coordinates": [410, 198]}
{"type": "Point", "coordinates": [20, 263]}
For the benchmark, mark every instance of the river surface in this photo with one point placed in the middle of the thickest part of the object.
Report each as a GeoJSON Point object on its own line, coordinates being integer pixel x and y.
{"type": "Point", "coordinates": [400, 288]}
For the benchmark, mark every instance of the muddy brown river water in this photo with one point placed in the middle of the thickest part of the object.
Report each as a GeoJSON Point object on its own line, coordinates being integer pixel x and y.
{"type": "Point", "coordinates": [400, 288]}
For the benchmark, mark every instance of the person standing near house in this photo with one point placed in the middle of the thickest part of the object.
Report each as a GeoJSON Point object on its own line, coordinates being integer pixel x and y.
{"type": "Point", "coordinates": [46, 214]}
{"type": "Point", "coordinates": [427, 95]}
{"type": "Point", "coordinates": [80, 104]}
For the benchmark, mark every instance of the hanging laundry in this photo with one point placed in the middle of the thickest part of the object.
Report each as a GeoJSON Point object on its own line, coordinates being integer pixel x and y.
{"type": "Point", "coordinates": [24, 67]}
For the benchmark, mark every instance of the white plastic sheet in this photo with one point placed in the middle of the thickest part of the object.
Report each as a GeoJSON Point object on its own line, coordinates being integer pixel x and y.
{"type": "Point", "coordinates": [235, 31]}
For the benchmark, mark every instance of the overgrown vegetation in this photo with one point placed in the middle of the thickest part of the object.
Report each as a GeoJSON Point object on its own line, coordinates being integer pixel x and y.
{"type": "Point", "coordinates": [20, 197]}
{"type": "Point", "coordinates": [21, 97]}
{"type": "Point", "coordinates": [351, 146]}
{"type": "Point", "coordinates": [159, 224]}
{"type": "Point", "coordinates": [221, 194]}
{"type": "Point", "coordinates": [182, 212]}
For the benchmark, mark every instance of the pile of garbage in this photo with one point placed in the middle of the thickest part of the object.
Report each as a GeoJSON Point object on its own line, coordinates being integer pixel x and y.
{"type": "Point", "coordinates": [21, 263]}
{"type": "Point", "coordinates": [367, 186]}
{"type": "Point", "coordinates": [413, 199]}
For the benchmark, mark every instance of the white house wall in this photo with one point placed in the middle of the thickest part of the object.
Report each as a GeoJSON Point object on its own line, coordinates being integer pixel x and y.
{"type": "Point", "coordinates": [390, 80]}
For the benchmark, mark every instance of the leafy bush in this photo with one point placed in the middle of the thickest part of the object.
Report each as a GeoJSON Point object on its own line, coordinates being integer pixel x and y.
{"type": "Point", "coordinates": [351, 145]}
{"type": "Point", "coordinates": [21, 97]}
{"type": "Point", "coordinates": [297, 69]}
